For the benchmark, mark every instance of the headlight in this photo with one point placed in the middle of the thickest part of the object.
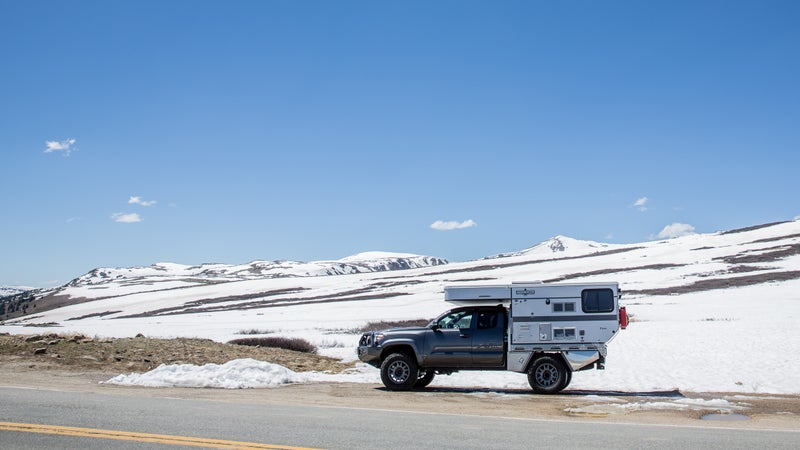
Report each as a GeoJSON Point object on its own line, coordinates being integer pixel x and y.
{"type": "Point", "coordinates": [378, 338]}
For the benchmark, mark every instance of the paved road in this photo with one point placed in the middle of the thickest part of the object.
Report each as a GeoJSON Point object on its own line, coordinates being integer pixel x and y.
{"type": "Point", "coordinates": [137, 418]}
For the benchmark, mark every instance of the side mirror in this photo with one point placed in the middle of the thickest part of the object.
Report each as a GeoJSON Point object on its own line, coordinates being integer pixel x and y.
{"type": "Point", "coordinates": [433, 326]}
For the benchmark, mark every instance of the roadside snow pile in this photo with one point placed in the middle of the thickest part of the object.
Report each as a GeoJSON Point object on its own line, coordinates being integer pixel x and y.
{"type": "Point", "coordinates": [681, 404]}
{"type": "Point", "coordinates": [236, 374]}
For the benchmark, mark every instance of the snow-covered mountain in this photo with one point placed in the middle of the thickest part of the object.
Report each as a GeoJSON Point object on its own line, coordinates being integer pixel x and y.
{"type": "Point", "coordinates": [256, 270]}
{"type": "Point", "coordinates": [705, 305]}
{"type": "Point", "coordinates": [169, 276]}
{"type": "Point", "coordinates": [560, 245]}
{"type": "Point", "coordinates": [755, 255]}
{"type": "Point", "coordinates": [12, 290]}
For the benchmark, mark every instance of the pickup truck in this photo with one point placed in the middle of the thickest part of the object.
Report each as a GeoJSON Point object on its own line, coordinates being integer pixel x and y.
{"type": "Point", "coordinates": [548, 331]}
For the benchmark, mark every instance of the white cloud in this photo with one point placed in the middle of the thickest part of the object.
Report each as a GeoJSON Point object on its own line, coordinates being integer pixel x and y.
{"type": "Point", "coordinates": [139, 201]}
{"type": "Point", "coordinates": [126, 218]}
{"type": "Point", "coordinates": [640, 204]}
{"type": "Point", "coordinates": [676, 230]}
{"type": "Point", "coordinates": [452, 225]}
{"type": "Point", "coordinates": [60, 146]}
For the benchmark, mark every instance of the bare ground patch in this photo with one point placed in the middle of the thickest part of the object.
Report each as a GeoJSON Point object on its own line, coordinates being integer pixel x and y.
{"type": "Point", "coordinates": [762, 255]}
{"type": "Point", "coordinates": [721, 283]}
{"type": "Point", "coordinates": [83, 354]}
{"type": "Point", "coordinates": [610, 271]}
{"type": "Point", "coordinates": [199, 306]}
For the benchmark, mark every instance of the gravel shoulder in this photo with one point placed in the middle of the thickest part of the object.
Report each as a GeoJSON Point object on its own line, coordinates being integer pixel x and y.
{"type": "Point", "coordinates": [78, 363]}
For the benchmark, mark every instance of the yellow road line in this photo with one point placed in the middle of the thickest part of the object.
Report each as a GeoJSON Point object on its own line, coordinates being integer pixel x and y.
{"type": "Point", "coordinates": [141, 437]}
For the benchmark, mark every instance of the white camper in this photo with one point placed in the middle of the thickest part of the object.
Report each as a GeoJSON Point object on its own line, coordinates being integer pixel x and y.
{"type": "Point", "coordinates": [577, 319]}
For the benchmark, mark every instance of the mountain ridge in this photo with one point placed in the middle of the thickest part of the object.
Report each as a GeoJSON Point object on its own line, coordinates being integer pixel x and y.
{"type": "Point", "coordinates": [756, 255]}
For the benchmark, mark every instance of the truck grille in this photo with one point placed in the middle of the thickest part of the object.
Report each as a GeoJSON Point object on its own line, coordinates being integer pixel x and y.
{"type": "Point", "coordinates": [366, 340]}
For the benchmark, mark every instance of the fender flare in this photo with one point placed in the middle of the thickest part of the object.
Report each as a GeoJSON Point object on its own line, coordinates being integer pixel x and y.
{"type": "Point", "coordinates": [401, 345]}
{"type": "Point", "coordinates": [535, 355]}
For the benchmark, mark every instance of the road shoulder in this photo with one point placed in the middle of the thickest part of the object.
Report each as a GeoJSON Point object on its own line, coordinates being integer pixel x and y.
{"type": "Point", "coordinates": [751, 411]}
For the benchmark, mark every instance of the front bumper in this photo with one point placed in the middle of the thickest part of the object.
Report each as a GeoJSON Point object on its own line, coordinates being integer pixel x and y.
{"type": "Point", "coordinates": [367, 351]}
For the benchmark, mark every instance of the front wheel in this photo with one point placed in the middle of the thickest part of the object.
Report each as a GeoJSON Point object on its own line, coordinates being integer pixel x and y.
{"type": "Point", "coordinates": [399, 372]}
{"type": "Point", "coordinates": [548, 375]}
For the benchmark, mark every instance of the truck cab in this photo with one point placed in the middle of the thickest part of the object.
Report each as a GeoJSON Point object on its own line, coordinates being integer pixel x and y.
{"type": "Point", "coordinates": [467, 337]}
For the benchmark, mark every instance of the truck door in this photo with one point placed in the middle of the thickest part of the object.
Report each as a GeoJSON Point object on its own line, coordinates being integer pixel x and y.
{"type": "Point", "coordinates": [450, 345]}
{"type": "Point", "coordinates": [488, 348]}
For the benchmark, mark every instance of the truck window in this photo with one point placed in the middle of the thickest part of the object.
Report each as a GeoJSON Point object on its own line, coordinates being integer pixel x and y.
{"type": "Point", "coordinates": [597, 300]}
{"type": "Point", "coordinates": [458, 319]}
{"type": "Point", "coordinates": [487, 320]}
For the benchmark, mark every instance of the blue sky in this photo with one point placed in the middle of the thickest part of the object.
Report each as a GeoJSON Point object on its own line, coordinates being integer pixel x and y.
{"type": "Point", "coordinates": [191, 131]}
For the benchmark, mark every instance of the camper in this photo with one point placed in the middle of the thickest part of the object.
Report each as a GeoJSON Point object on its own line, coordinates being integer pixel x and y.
{"type": "Point", "coordinates": [548, 331]}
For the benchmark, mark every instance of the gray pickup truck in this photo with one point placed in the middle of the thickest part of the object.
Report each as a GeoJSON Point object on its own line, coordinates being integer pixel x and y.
{"type": "Point", "coordinates": [546, 331]}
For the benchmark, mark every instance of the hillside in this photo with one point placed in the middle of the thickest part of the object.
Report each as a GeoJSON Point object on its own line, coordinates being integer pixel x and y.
{"type": "Point", "coordinates": [6, 291]}
{"type": "Point", "coordinates": [164, 276]}
{"type": "Point", "coordinates": [710, 312]}
{"type": "Point", "coordinates": [758, 255]}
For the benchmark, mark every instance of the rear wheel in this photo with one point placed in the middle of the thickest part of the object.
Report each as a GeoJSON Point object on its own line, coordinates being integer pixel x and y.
{"type": "Point", "coordinates": [424, 378]}
{"type": "Point", "coordinates": [399, 372]}
{"type": "Point", "coordinates": [548, 375]}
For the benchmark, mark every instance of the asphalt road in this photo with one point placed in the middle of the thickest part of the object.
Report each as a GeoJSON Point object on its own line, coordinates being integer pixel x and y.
{"type": "Point", "coordinates": [39, 418]}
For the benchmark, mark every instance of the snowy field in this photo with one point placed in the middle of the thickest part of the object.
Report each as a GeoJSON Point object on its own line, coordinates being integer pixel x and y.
{"type": "Point", "coordinates": [704, 342]}
{"type": "Point", "coordinates": [736, 339]}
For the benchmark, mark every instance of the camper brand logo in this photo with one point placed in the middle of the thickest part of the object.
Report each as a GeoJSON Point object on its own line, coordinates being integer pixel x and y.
{"type": "Point", "coordinates": [525, 291]}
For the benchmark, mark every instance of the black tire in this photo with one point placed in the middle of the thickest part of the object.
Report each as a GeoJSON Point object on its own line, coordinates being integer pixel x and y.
{"type": "Point", "coordinates": [567, 380]}
{"type": "Point", "coordinates": [548, 375]}
{"type": "Point", "coordinates": [424, 378]}
{"type": "Point", "coordinates": [399, 372]}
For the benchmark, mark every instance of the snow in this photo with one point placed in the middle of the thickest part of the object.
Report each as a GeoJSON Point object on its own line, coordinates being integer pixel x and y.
{"type": "Point", "coordinates": [680, 404]}
{"type": "Point", "coordinates": [12, 290]}
{"type": "Point", "coordinates": [370, 256]}
{"type": "Point", "coordinates": [236, 374]}
{"type": "Point", "coordinates": [735, 339]}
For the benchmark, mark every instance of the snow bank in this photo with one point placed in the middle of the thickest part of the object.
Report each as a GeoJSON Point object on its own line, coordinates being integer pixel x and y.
{"type": "Point", "coordinates": [616, 406]}
{"type": "Point", "coordinates": [236, 374]}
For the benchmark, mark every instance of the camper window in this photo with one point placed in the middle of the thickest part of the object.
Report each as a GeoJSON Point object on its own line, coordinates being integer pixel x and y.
{"type": "Point", "coordinates": [563, 307]}
{"type": "Point", "coordinates": [597, 300]}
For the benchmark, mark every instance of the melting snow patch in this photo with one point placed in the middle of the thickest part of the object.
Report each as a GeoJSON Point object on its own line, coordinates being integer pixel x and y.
{"type": "Point", "coordinates": [236, 374]}
{"type": "Point", "coordinates": [603, 398]}
{"type": "Point", "coordinates": [728, 417]}
{"type": "Point", "coordinates": [683, 404]}
{"type": "Point", "coordinates": [492, 395]}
